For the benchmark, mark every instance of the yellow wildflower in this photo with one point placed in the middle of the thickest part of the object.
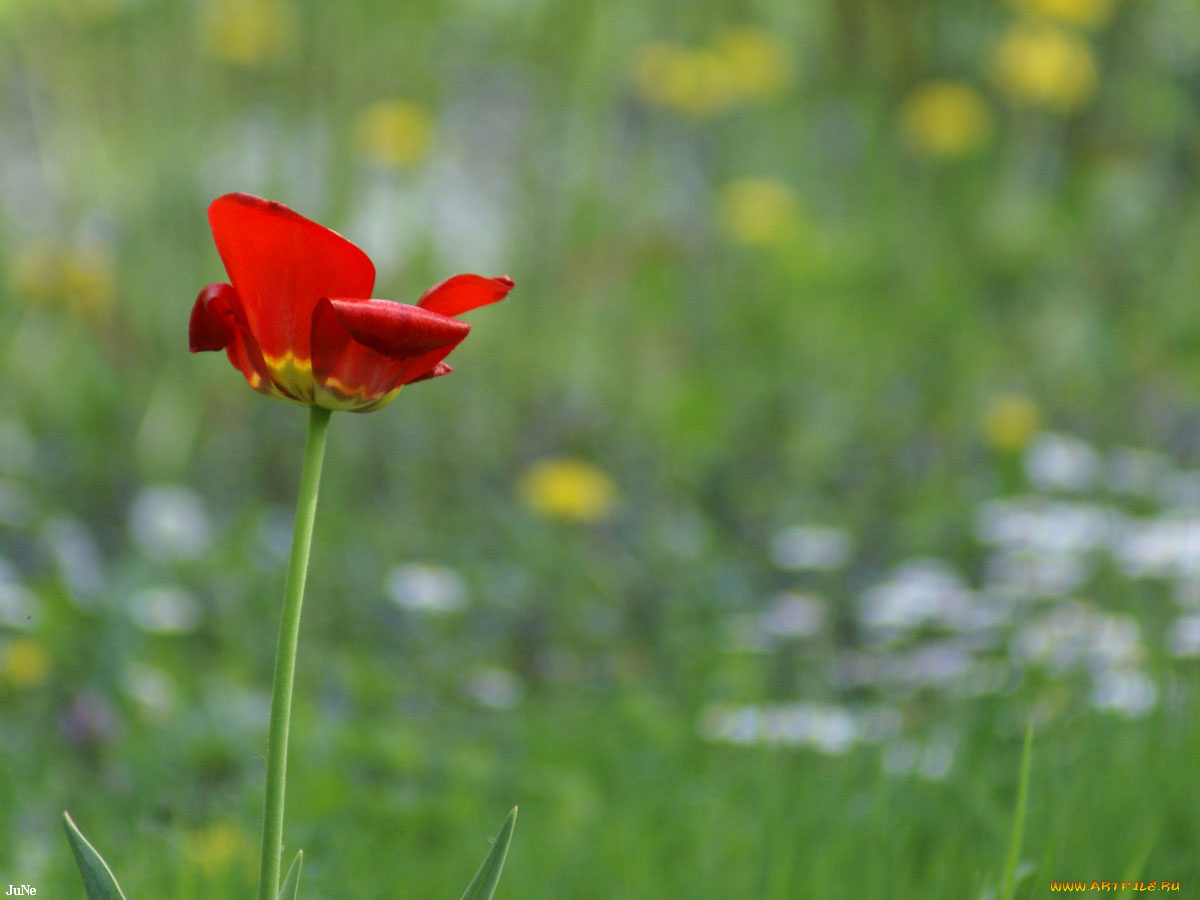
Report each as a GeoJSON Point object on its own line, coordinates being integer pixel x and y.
{"type": "Point", "coordinates": [82, 278]}
{"type": "Point", "coordinates": [743, 64]}
{"type": "Point", "coordinates": [699, 82]}
{"type": "Point", "coordinates": [217, 847]}
{"type": "Point", "coordinates": [945, 119]}
{"type": "Point", "coordinates": [25, 663]}
{"type": "Point", "coordinates": [1042, 65]}
{"type": "Point", "coordinates": [1010, 421]}
{"type": "Point", "coordinates": [250, 32]}
{"type": "Point", "coordinates": [759, 211]}
{"type": "Point", "coordinates": [654, 70]}
{"type": "Point", "coordinates": [568, 489]}
{"type": "Point", "coordinates": [1082, 13]}
{"type": "Point", "coordinates": [758, 63]}
{"type": "Point", "coordinates": [394, 133]}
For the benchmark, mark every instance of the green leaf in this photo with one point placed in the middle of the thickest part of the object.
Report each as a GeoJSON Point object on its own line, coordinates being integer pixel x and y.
{"type": "Point", "coordinates": [1008, 886]}
{"type": "Point", "coordinates": [483, 885]}
{"type": "Point", "coordinates": [291, 883]}
{"type": "Point", "coordinates": [98, 879]}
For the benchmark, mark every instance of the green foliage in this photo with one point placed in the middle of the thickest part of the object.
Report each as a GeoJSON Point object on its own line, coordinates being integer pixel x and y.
{"type": "Point", "coordinates": [98, 879]}
{"type": "Point", "coordinates": [732, 380]}
{"type": "Point", "coordinates": [291, 881]}
{"type": "Point", "coordinates": [483, 885]}
{"type": "Point", "coordinates": [1008, 884]}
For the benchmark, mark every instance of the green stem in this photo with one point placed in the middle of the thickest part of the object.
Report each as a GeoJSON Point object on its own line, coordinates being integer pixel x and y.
{"type": "Point", "coordinates": [285, 654]}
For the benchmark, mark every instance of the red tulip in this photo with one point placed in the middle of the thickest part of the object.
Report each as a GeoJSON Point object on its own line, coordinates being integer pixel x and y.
{"type": "Point", "coordinates": [298, 322]}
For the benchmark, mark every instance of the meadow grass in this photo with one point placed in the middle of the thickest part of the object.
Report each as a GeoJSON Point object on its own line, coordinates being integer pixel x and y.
{"type": "Point", "coordinates": [837, 368]}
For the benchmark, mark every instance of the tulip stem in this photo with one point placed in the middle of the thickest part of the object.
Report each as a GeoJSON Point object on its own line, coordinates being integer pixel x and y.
{"type": "Point", "coordinates": [285, 654]}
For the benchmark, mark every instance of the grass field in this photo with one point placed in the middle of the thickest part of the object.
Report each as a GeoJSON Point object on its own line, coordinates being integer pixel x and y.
{"type": "Point", "coordinates": [844, 419]}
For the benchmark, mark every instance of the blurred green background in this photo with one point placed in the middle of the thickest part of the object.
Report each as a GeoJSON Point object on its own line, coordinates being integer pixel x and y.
{"type": "Point", "coordinates": [846, 415]}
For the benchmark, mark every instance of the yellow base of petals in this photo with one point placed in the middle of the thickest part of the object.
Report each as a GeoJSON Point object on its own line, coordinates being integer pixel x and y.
{"type": "Point", "coordinates": [335, 395]}
{"type": "Point", "coordinates": [292, 379]}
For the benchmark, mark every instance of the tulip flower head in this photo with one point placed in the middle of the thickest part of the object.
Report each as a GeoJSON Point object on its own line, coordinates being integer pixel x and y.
{"type": "Point", "coordinates": [297, 318]}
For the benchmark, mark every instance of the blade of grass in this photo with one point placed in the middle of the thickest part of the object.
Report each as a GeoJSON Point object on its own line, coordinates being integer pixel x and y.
{"type": "Point", "coordinates": [1137, 864]}
{"type": "Point", "coordinates": [98, 879]}
{"type": "Point", "coordinates": [483, 885]}
{"type": "Point", "coordinates": [291, 883]}
{"type": "Point", "coordinates": [1009, 883]}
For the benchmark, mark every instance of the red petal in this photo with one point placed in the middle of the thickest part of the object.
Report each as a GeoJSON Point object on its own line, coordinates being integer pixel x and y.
{"type": "Point", "coordinates": [363, 350]}
{"type": "Point", "coordinates": [436, 372]}
{"type": "Point", "coordinates": [281, 264]}
{"type": "Point", "coordinates": [206, 331]}
{"type": "Point", "coordinates": [464, 292]}
{"type": "Point", "coordinates": [398, 330]}
{"type": "Point", "coordinates": [219, 321]}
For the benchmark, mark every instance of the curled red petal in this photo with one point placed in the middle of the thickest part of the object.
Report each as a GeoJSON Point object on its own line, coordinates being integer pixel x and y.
{"type": "Point", "coordinates": [366, 350]}
{"type": "Point", "coordinates": [218, 322]}
{"type": "Point", "coordinates": [206, 331]}
{"type": "Point", "coordinates": [464, 292]}
{"type": "Point", "coordinates": [398, 330]}
{"type": "Point", "coordinates": [436, 372]}
{"type": "Point", "coordinates": [281, 264]}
